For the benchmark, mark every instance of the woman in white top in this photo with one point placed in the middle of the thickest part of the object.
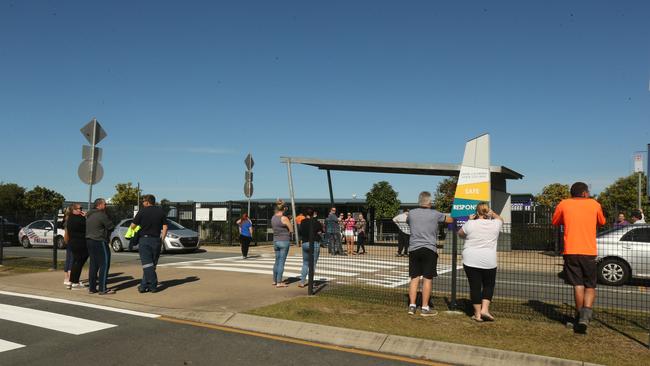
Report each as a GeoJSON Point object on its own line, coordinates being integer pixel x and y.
{"type": "Point", "coordinates": [481, 233]}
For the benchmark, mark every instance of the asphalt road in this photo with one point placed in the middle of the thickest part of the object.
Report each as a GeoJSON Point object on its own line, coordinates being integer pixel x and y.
{"type": "Point", "coordinates": [121, 257]}
{"type": "Point", "coordinates": [135, 340]}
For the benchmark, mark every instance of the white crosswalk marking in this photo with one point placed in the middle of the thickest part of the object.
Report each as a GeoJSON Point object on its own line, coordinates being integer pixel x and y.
{"type": "Point", "coordinates": [49, 320]}
{"type": "Point", "coordinates": [376, 272]}
{"type": "Point", "coordinates": [8, 346]}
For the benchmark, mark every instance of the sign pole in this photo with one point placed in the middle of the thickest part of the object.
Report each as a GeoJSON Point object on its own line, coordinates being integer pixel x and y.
{"type": "Point", "coordinates": [293, 201]}
{"type": "Point", "coordinates": [92, 163]}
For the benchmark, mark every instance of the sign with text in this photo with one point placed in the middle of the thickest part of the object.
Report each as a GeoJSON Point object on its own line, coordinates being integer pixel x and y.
{"type": "Point", "coordinates": [473, 180]}
{"type": "Point", "coordinates": [220, 214]}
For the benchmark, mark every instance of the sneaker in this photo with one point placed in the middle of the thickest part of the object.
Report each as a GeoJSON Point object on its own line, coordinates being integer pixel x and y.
{"type": "Point", "coordinates": [67, 283]}
{"type": "Point", "coordinates": [428, 312]}
{"type": "Point", "coordinates": [78, 286]}
{"type": "Point", "coordinates": [143, 290]}
{"type": "Point", "coordinates": [412, 309]}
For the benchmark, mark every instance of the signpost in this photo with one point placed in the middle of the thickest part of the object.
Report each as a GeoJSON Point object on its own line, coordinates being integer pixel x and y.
{"type": "Point", "coordinates": [638, 169]}
{"type": "Point", "coordinates": [248, 180]}
{"type": "Point", "coordinates": [90, 170]}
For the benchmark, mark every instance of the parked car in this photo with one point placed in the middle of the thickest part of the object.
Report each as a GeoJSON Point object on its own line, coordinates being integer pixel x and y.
{"type": "Point", "coordinates": [10, 231]}
{"type": "Point", "coordinates": [39, 234]}
{"type": "Point", "coordinates": [178, 237]}
{"type": "Point", "coordinates": [623, 254]}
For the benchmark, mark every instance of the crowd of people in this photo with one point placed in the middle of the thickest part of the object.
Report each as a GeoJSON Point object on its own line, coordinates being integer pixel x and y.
{"type": "Point", "coordinates": [86, 237]}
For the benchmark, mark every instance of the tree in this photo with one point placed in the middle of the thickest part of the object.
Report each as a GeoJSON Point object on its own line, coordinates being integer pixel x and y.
{"type": "Point", "coordinates": [621, 196]}
{"type": "Point", "coordinates": [12, 198]}
{"type": "Point", "coordinates": [126, 196]}
{"type": "Point", "coordinates": [552, 194]}
{"type": "Point", "coordinates": [444, 196]}
{"type": "Point", "coordinates": [383, 199]}
{"type": "Point", "coordinates": [43, 200]}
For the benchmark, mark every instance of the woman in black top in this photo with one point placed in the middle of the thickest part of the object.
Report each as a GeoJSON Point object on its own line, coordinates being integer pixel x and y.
{"type": "Point", "coordinates": [75, 233]}
{"type": "Point", "coordinates": [310, 229]}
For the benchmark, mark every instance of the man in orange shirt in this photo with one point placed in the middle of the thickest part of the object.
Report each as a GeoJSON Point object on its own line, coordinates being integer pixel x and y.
{"type": "Point", "coordinates": [580, 216]}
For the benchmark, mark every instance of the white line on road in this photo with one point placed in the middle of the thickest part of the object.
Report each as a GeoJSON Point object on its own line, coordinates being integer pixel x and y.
{"type": "Point", "coordinates": [78, 303]}
{"type": "Point", "coordinates": [8, 346]}
{"type": "Point", "coordinates": [49, 320]}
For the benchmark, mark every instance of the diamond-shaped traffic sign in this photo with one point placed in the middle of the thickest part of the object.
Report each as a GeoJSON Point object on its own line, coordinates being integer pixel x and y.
{"type": "Point", "coordinates": [249, 162]}
{"type": "Point", "coordinates": [93, 130]}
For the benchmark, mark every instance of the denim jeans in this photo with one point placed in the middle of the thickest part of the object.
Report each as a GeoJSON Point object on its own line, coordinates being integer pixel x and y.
{"type": "Point", "coordinates": [281, 249]}
{"type": "Point", "coordinates": [67, 266]}
{"type": "Point", "coordinates": [149, 249]}
{"type": "Point", "coordinates": [100, 262]}
{"type": "Point", "coordinates": [305, 260]}
{"type": "Point", "coordinates": [334, 243]}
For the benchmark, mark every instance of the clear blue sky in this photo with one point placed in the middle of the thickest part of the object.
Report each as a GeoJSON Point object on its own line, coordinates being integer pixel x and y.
{"type": "Point", "coordinates": [186, 89]}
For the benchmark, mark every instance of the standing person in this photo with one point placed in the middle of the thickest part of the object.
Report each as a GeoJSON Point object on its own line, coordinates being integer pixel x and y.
{"type": "Point", "coordinates": [153, 229]}
{"type": "Point", "coordinates": [361, 234]}
{"type": "Point", "coordinates": [404, 234]}
{"type": "Point", "coordinates": [98, 228]}
{"type": "Point", "coordinates": [75, 234]}
{"type": "Point", "coordinates": [282, 230]}
{"type": "Point", "coordinates": [620, 221]}
{"type": "Point", "coordinates": [67, 266]}
{"type": "Point", "coordinates": [637, 217]}
{"type": "Point", "coordinates": [481, 233]}
{"type": "Point", "coordinates": [423, 253]}
{"type": "Point", "coordinates": [581, 216]}
{"type": "Point", "coordinates": [350, 225]}
{"type": "Point", "coordinates": [245, 234]}
{"type": "Point", "coordinates": [310, 229]}
{"type": "Point", "coordinates": [334, 233]}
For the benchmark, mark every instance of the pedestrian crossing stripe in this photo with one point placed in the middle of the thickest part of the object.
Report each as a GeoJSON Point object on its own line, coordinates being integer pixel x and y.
{"type": "Point", "coordinates": [49, 320]}
{"type": "Point", "coordinates": [8, 346]}
{"type": "Point", "coordinates": [377, 272]}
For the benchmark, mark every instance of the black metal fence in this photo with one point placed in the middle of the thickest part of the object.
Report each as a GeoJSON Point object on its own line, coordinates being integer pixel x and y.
{"type": "Point", "coordinates": [530, 278]}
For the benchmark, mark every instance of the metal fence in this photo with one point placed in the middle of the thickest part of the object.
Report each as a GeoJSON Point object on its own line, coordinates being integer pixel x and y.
{"type": "Point", "coordinates": [530, 279]}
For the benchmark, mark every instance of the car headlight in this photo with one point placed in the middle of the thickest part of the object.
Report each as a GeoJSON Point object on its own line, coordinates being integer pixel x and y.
{"type": "Point", "coordinates": [172, 236]}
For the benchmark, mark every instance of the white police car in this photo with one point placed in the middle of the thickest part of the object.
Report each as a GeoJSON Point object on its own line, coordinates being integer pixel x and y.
{"type": "Point", "coordinates": [39, 234]}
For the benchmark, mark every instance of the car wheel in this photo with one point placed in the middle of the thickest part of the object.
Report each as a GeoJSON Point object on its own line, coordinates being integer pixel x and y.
{"type": "Point", "coordinates": [60, 243]}
{"type": "Point", "coordinates": [613, 272]}
{"type": "Point", "coordinates": [116, 245]}
{"type": "Point", "coordinates": [25, 242]}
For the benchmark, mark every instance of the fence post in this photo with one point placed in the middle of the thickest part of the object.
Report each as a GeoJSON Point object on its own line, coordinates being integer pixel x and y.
{"type": "Point", "coordinates": [312, 247]}
{"type": "Point", "coordinates": [454, 272]}
{"type": "Point", "coordinates": [2, 237]}
{"type": "Point", "coordinates": [54, 248]}
{"type": "Point", "coordinates": [229, 217]}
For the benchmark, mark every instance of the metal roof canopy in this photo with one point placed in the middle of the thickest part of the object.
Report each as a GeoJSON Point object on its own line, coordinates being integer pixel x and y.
{"type": "Point", "coordinates": [370, 166]}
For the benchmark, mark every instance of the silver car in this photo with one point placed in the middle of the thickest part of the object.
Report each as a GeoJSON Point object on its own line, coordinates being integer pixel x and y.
{"type": "Point", "coordinates": [623, 254]}
{"type": "Point", "coordinates": [178, 237]}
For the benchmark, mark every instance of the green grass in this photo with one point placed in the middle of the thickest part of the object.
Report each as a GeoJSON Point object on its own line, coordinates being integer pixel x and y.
{"type": "Point", "coordinates": [549, 338]}
{"type": "Point", "coordinates": [20, 265]}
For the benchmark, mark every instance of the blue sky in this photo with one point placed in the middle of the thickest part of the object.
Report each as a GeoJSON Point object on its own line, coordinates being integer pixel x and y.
{"type": "Point", "coordinates": [186, 89]}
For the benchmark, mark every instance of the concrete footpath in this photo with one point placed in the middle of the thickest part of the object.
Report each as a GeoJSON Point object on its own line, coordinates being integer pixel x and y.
{"type": "Point", "coordinates": [220, 298]}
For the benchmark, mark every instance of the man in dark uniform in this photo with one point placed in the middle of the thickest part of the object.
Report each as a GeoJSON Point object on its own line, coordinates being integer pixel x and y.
{"type": "Point", "coordinates": [153, 229]}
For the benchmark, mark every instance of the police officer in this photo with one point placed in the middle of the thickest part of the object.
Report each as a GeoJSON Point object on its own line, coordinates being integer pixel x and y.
{"type": "Point", "coordinates": [153, 229]}
{"type": "Point", "coordinates": [98, 227]}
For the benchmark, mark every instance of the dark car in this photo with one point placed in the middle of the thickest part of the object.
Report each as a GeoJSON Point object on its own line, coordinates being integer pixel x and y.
{"type": "Point", "coordinates": [10, 231]}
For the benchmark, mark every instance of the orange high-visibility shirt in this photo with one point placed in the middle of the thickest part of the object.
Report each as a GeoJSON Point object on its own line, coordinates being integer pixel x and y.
{"type": "Point", "coordinates": [580, 217]}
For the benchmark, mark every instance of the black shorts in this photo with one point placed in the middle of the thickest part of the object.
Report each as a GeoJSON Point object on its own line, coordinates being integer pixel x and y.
{"type": "Point", "coordinates": [580, 270]}
{"type": "Point", "coordinates": [423, 262]}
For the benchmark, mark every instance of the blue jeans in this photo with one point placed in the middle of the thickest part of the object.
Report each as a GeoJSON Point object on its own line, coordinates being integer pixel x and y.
{"type": "Point", "coordinates": [149, 250]}
{"type": "Point", "coordinates": [281, 249]}
{"type": "Point", "coordinates": [305, 260]}
{"type": "Point", "coordinates": [100, 263]}
{"type": "Point", "coordinates": [67, 267]}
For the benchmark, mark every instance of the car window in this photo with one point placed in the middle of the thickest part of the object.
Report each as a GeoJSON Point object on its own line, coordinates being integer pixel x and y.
{"type": "Point", "coordinates": [126, 223]}
{"type": "Point", "coordinates": [641, 234]}
{"type": "Point", "coordinates": [171, 225]}
{"type": "Point", "coordinates": [39, 225]}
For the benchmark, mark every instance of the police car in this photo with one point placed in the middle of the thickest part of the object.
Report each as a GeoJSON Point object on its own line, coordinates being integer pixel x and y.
{"type": "Point", "coordinates": [39, 234]}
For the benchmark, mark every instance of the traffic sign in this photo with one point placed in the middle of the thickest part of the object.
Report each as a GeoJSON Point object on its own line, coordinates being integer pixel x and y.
{"type": "Point", "coordinates": [249, 162]}
{"type": "Point", "coordinates": [86, 153]}
{"type": "Point", "coordinates": [85, 169]}
{"type": "Point", "coordinates": [248, 176]}
{"type": "Point", "coordinates": [248, 189]}
{"type": "Point", "coordinates": [93, 130]}
{"type": "Point", "coordinates": [638, 163]}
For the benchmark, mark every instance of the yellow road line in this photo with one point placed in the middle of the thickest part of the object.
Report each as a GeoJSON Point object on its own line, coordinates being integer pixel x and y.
{"type": "Point", "coordinates": [303, 342]}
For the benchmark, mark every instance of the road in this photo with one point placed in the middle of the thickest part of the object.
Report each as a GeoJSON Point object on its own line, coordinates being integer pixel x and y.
{"type": "Point", "coordinates": [36, 332]}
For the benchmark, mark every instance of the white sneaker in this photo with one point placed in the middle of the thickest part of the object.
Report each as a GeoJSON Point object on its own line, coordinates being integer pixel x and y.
{"type": "Point", "coordinates": [67, 283]}
{"type": "Point", "coordinates": [78, 286]}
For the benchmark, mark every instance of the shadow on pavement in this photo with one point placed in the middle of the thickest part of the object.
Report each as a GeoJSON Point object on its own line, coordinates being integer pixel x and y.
{"type": "Point", "coordinates": [164, 285]}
